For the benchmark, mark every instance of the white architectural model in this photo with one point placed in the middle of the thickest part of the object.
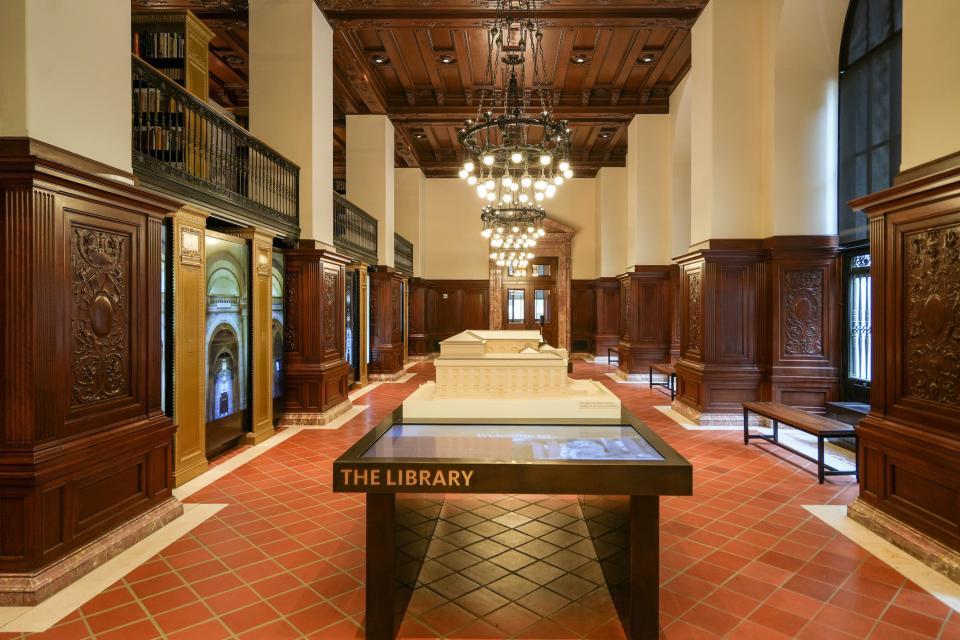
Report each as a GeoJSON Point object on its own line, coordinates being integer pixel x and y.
{"type": "Point", "coordinates": [506, 375]}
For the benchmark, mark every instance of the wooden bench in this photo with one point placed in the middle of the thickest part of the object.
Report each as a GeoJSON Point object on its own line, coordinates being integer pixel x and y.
{"type": "Point", "coordinates": [610, 352]}
{"type": "Point", "coordinates": [819, 426]}
{"type": "Point", "coordinates": [671, 373]}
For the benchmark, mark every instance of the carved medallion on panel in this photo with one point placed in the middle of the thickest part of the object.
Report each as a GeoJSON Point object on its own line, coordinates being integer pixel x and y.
{"type": "Point", "coordinates": [802, 304]}
{"type": "Point", "coordinates": [932, 299]}
{"type": "Point", "coordinates": [291, 290]}
{"type": "Point", "coordinates": [395, 305]}
{"type": "Point", "coordinates": [100, 310]}
{"type": "Point", "coordinates": [330, 312]}
{"type": "Point", "coordinates": [694, 313]}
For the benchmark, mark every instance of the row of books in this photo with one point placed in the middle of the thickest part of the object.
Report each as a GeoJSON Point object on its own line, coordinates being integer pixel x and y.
{"type": "Point", "coordinates": [177, 74]}
{"type": "Point", "coordinates": [157, 44]}
{"type": "Point", "coordinates": [151, 99]}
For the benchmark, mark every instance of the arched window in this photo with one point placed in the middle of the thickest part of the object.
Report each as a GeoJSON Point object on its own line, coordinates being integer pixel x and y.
{"type": "Point", "coordinates": [869, 107]}
{"type": "Point", "coordinates": [869, 158]}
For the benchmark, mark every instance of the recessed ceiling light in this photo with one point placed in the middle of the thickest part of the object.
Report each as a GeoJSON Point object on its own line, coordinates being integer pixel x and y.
{"type": "Point", "coordinates": [446, 59]}
{"type": "Point", "coordinates": [420, 136]}
{"type": "Point", "coordinates": [605, 134]}
{"type": "Point", "coordinates": [647, 58]}
{"type": "Point", "coordinates": [379, 58]}
{"type": "Point", "coordinates": [580, 58]}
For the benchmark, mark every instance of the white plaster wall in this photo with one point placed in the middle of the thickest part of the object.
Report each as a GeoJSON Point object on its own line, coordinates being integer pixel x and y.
{"type": "Point", "coordinates": [931, 81]}
{"type": "Point", "coordinates": [291, 81]}
{"type": "Point", "coordinates": [648, 190]}
{"type": "Point", "coordinates": [370, 175]}
{"type": "Point", "coordinates": [680, 168]}
{"type": "Point", "coordinates": [804, 141]}
{"type": "Point", "coordinates": [65, 76]}
{"type": "Point", "coordinates": [411, 190]}
{"type": "Point", "coordinates": [454, 249]}
{"type": "Point", "coordinates": [611, 211]}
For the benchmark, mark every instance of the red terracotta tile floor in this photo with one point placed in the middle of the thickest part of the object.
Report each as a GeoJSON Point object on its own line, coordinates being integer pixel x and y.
{"type": "Point", "coordinates": [741, 558]}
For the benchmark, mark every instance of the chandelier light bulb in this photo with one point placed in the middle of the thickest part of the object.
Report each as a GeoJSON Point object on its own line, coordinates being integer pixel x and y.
{"type": "Point", "coordinates": [545, 159]}
{"type": "Point", "coordinates": [526, 181]}
{"type": "Point", "coordinates": [516, 157]}
{"type": "Point", "coordinates": [529, 256]}
{"type": "Point", "coordinates": [481, 191]}
{"type": "Point", "coordinates": [551, 191]}
{"type": "Point", "coordinates": [540, 184]}
{"type": "Point", "coordinates": [493, 256]}
{"type": "Point", "coordinates": [507, 180]}
{"type": "Point", "coordinates": [538, 196]}
{"type": "Point", "coordinates": [541, 232]}
{"type": "Point", "coordinates": [472, 180]}
{"type": "Point", "coordinates": [489, 184]}
{"type": "Point", "coordinates": [564, 165]}
{"type": "Point", "coordinates": [568, 173]}
{"type": "Point", "coordinates": [514, 186]}
{"type": "Point", "coordinates": [463, 173]}
{"type": "Point", "coordinates": [515, 229]}
{"type": "Point", "coordinates": [486, 233]}
{"type": "Point", "coordinates": [491, 196]}
{"type": "Point", "coordinates": [507, 198]}
{"type": "Point", "coordinates": [524, 197]}
{"type": "Point", "coordinates": [499, 230]}
{"type": "Point", "coordinates": [468, 166]}
{"type": "Point", "coordinates": [488, 159]}
{"type": "Point", "coordinates": [557, 180]}
{"type": "Point", "coordinates": [529, 229]}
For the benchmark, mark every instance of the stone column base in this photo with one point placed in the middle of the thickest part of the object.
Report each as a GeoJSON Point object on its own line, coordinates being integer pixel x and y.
{"type": "Point", "coordinates": [387, 377]}
{"type": "Point", "coordinates": [640, 377]}
{"type": "Point", "coordinates": [711, 419]}
{"type": "Point", "coordinates": [930, 552]}
{"type": "Point", "coordinates": [28, 589]}
{"type": "Point", "coordinates": [292, 419]}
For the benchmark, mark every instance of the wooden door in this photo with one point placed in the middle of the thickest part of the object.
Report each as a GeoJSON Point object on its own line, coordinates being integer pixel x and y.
{"type": "Point", "coordinates": [530, 297]}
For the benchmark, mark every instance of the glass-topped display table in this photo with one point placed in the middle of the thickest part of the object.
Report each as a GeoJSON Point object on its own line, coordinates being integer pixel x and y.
{"type": "Point", "coordinates": [619, 468]}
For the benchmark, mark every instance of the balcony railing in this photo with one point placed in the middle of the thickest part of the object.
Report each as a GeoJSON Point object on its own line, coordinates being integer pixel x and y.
{"type": "Point", "coordinates": [184, 147]}
{"type": "Point", "coordinates": [354, 230]}
{"type": "Point", "coordinates": [403, 255]}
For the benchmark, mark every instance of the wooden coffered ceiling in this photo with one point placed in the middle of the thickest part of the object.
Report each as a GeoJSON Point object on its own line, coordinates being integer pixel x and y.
{"type": "Point", "coordinates": [433, 59]}
{"type": "Point", "coordinates": [428, 99]}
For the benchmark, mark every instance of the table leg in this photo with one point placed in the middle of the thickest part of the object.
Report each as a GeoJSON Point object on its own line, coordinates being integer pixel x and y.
{"type": "Point", "coordinates": [651, 377]}
{"type": "Point", "coordinates": [776, 431]}
{"type": "Point", "coordinates": [746, 428]}
{"type": "Point", "coordinates": [820, 459]}
{"type": "Point", "coordinates": [381, 510]}
{"type": "Point", "coordinates": [856, 457]}
{"type": "Point", "coordinates": [644, 568]}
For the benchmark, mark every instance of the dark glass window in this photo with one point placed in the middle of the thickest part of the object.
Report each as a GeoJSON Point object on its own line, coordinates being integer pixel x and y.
{"type": "Point", "coordinates": [869, 146]}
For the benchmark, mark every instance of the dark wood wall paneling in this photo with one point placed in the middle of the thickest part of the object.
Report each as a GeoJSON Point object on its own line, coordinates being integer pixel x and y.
{"type": "Point", "coordinates": [759, 319]}
{"type": "Point", "coordinates": [442, 308]}
{"type": "Point", "coordinates": [583, 316]}
{"type": "Point", "coordinates": [84, 444]}
{"type": "Point", "coordinates": [316, 374]}
{"type": "Point", "coordinates": [386, 321]}
{"type": "Point", "coordinates": [910, 441]}
{"type": "Point", "coordinates": [646, 317]}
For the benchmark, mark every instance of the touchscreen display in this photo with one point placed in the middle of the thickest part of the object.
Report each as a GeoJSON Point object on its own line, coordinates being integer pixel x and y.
{"type": "Point", "coordinates": [512, 443]}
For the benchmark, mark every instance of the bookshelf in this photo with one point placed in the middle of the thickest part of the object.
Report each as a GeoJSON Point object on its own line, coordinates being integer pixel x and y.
{"type": "Point", "coordinates": [176, 43]}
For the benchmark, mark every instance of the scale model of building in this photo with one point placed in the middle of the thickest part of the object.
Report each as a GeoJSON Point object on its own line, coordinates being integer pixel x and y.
{"type": "Point", "coordinates": [507, 375]}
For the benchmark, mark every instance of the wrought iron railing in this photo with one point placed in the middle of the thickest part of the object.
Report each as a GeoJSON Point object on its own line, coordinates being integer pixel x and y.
{"type": "Point", "coordinates": [184, 147]}
{"type": "Point", "coordinates": [340, 186]}
{"type": "Point", "coordinates": [354, 230]}
{"type": "Point", "coordinates": [402, 255]}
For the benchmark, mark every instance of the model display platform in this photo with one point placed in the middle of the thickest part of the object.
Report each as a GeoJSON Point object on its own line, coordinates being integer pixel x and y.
{"type": "Point", "coordinates": [618, 467]}
{"type": "Point", "coordinates": [506, 375]}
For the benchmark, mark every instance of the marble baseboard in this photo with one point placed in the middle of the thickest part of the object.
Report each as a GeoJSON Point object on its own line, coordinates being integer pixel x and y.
{"type": "Point", "coordinates": [927, 550]}
{"type": "Point", "coordinates": [710, 419]}
{"type": "Point", "coordinates": [425, 358]}
{"type": "Point", "coordinates": [28, 589]}
{"type": "Point", "coordinates": [387, 377]}
{"type": "Point", "coordinates": [292, 419]}
{"type": "Point", "coordinates": [639, 378]}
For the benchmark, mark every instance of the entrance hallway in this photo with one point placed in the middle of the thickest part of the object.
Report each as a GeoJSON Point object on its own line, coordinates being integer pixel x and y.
{"type": "Point", "coordinates": [283, 558]}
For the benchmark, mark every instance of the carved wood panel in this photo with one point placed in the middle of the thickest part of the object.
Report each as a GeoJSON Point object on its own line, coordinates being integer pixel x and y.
{"type": "Point", "coordinates": [100, 351]}
{"type": "Point", "coordinates": [331, 312]}
{"type": "Point", "coordinates": [802, 304]}
{"type": "Point", "coordinates": [695, 313]}
{"type": "Point", "coordinates": [932, 315]}
{"type": "Point", "coordinates": [291, 295]}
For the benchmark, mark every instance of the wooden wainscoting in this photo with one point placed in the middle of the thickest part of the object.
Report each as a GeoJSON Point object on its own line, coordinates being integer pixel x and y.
{"type": "Point", "coordinates": [583, 316]}
{"type": "Point", "coordinates": [646, 317]}
{"type": "Point", "coordinates": [910, 441]}
{"type": "Point", "coordinates": [442, 308]}
{"type": "Point", "coordinates": [84, 444]}
{"type": "Point", "coordinates": [386, 321]}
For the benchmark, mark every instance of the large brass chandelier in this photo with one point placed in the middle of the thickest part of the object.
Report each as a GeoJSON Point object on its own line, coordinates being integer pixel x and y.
{"type": "Point", "coordinates": [515, 153]}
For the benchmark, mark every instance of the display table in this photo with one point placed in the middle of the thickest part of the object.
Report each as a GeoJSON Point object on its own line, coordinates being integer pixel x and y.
{"type": "Point", "coordinates": [619, 468]}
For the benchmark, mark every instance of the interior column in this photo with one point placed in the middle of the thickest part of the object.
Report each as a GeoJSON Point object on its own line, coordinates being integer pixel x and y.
{"type": "Point", "coordinates": [646, 288]}
{"type": "Point", "coordinates": [83, 428]}
{"type": "Point", "coordinates": [370, 176]}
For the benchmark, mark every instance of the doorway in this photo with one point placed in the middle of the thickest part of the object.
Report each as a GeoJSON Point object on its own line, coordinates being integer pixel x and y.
{"type": "Point", "coordinates": [530, 298]}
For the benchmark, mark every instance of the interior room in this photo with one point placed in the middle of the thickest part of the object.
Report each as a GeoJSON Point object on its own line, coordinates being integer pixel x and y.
{"type": "Point", "coordinates": [479, 319]}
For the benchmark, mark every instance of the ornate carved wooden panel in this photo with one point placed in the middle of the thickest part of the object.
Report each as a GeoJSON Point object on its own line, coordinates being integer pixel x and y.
{"type": "Point", "coordinates": [100, 266]}
{"type": "Point", "coordinates": [331, 309]}
{"type": "Point", "coordinates": [647, 298]}
{"type": "Point", "coordinates": [802, 300]}
{"type": "Point", "coordinates": [695, 313]}
{"type": "Point", "coordinates": [932, 312]}
{"type": "Point", "coordinates": [449, 307]}
{"type": "Point", "coordinates": [291, 308]}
